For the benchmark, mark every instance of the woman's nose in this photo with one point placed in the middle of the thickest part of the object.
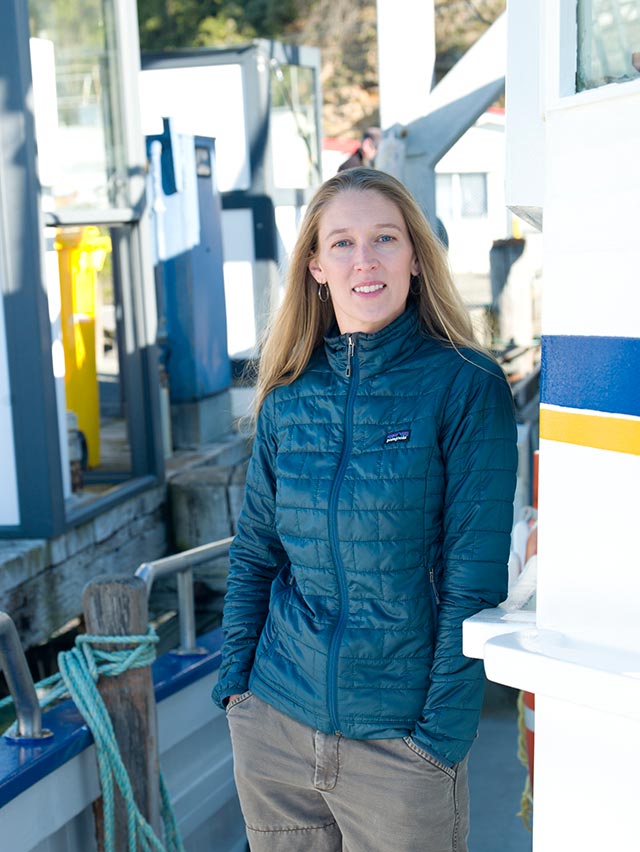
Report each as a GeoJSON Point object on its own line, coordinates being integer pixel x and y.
{"type": "Point", "coordinates": [365, 257]}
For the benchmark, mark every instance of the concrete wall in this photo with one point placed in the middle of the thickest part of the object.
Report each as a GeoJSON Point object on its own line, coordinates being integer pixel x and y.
{"type": "Point", "coordinates": [41, 582]}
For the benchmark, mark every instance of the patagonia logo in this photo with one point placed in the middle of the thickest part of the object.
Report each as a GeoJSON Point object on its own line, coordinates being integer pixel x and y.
{"type": "Point", "coordinates": [398, 436]}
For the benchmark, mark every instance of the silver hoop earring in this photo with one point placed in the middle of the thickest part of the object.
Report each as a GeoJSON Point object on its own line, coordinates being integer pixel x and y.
{"type": "Point", "coordinates": [415, 285]}
{"type": "Point", "coordinates": [323, 292]}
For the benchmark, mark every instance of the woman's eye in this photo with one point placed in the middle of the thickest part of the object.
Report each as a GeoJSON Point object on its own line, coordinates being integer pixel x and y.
{"type": "Point", "coordinates": [341, 243]}
{"type": "Point", "coordinates": [385, 238]}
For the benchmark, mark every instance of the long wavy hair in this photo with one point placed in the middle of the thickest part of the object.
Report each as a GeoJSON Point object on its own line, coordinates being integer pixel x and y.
{"type": "Point", "coordinates": [302, 320]}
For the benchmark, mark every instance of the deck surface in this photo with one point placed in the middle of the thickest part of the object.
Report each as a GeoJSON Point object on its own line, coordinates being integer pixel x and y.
{"type": "Point", "coordinates": [496, 778]}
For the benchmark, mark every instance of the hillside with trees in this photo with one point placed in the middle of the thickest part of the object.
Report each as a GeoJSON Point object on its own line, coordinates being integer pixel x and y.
{"type": "Point", "coordinates": [344, 30]}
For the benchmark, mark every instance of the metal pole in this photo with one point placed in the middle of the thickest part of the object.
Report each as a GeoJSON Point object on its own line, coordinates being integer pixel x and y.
{"type": "Point", "coordinates": [182, 564]}
{"type": "Point", "coordinates": [16, 671]}
{"type": "Point", "coordinates": [186, 612]}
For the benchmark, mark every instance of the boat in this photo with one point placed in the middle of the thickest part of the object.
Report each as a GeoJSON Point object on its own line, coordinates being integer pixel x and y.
{"type": "Point", "coordinates": [49, 779]}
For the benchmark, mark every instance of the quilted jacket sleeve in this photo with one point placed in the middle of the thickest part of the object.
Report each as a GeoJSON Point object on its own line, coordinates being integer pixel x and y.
{"type": "Point", "coordinates": [256, 556]}
{"type": "Point", "coordinates": [478, 442]}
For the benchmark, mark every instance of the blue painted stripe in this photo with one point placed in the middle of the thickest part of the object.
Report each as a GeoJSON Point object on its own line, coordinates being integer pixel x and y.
{"type": "Point", "coordinates": [591, 373]}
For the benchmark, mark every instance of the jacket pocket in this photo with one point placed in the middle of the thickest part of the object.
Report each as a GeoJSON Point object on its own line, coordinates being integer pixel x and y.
{"type": "Point", "coordinates": [435, 597]}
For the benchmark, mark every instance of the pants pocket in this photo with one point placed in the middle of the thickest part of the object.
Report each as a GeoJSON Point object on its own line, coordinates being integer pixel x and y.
{"type": "Point", "coordinates": [239, 699]}
{"type": "Point", "coordinates": [429, 758]}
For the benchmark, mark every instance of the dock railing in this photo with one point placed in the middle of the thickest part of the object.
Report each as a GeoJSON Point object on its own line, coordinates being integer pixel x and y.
{"type": "Point", "coordinates": [182, 564]}
{"type": "Point", "coordinates": [13, 662]}
{"type": "Point", "coordinates": [18, 677]}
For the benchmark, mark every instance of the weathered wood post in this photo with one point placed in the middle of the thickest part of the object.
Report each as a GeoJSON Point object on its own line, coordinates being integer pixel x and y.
{"type": "Point", "coordinates": [117, 606]}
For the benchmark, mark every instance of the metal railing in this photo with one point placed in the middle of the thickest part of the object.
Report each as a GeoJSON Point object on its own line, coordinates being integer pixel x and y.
{"type": "Point", "coordinates": [182, 565]}
{"type": "Point", "coordinates": [16, 672]}
{"type": "Point", "coordinates": [14, 663]}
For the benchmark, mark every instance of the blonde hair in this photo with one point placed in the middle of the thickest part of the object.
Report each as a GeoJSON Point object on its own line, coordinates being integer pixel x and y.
{"type": "Point", "coordinates": [303, 319]}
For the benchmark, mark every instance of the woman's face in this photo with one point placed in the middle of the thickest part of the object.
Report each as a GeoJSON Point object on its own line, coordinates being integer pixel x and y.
{"type": "Point", "coordinates": [366, 258]}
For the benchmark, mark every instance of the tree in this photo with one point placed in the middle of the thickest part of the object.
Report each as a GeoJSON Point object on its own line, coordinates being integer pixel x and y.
{"type": "Point", "coordinates": [171, 24]}
{"type": "Point", "coordinates": [344, 30]}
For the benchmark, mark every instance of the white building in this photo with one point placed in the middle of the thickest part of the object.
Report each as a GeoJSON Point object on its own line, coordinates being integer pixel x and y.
{"type": "Point", "coordinates": [470, 198]}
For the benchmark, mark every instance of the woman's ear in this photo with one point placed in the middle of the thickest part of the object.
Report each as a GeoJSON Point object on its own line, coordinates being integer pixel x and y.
{"type": "Point", "coordinates": [415, 266]}
{"type": "Point", "coordinates": [316, 270]}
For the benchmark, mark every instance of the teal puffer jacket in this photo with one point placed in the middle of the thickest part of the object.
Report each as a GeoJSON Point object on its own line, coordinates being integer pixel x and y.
{"type": "Point", "coordinates": [377, 517]}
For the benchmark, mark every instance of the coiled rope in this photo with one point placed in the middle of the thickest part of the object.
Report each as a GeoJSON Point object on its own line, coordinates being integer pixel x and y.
{"type": "Point", "coordinates": [79, 670]}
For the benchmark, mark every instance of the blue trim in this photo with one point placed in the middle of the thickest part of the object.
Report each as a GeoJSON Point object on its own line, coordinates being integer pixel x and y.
{"type": "Point", "coordinates": [23, 764]}
{"type": "Point", "coordinates": [591, 373]}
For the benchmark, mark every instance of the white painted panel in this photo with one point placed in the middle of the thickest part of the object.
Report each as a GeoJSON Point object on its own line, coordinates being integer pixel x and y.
{"type": "Point", "coordinates": [525, 161]}
{"type": "Point", "coordinates": [9, 506]}
{"type": "Point", "coordinates": [50, 807]}
{"type": "Point", "coordinates": [588, 551]}
{"type": "Point", "coordinates": [592, 248]}
{"type": "Point", "coordinates": [207, 100]}
{"type": "Point", "coordinates": [592, 292]}
{"type": "Point", "coordinates": [585, 794]}
{"type": "Point", "coordinates": [239, 260]}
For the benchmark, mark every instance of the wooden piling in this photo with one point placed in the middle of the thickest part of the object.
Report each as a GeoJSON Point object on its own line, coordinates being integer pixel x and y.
{"type": "Point", "coordinates": [117, 606]}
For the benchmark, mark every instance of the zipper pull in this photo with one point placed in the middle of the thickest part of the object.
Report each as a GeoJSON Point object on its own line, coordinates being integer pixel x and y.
{"type": "Point", "coordinates": [351, 347]}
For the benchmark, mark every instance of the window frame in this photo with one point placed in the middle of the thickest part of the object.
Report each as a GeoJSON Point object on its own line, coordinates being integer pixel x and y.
{"type": "Point", "coordinates": [44, 513]}
{"type": "Point", "coordinates": [560, 63]}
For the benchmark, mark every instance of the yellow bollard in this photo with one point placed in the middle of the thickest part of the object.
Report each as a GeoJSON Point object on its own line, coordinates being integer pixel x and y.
{"type": "Point", "coordinates": [81, 255]}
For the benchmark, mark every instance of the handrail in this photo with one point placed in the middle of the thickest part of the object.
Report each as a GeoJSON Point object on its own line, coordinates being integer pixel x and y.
{"type": "Point", "coordinates": [182, 564]}
{"type": "Point", "coordinates": [16, 671]}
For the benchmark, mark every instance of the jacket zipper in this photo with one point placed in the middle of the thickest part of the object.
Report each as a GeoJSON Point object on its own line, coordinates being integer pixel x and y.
{"type": "Point", "coordinates": [351, 348]}
{"type": "Point", "coordinates": [352, 372]}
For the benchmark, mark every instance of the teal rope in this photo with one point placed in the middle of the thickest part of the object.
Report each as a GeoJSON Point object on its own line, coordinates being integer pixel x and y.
{"type": "Point", "coordinates": [80, 669]}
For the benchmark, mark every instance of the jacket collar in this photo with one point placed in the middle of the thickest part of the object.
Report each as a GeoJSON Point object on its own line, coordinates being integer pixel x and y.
{"type": "Point", "coordinates": [378, 351]}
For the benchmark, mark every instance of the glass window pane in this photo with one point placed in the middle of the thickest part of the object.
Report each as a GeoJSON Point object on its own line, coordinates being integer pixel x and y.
{"type": "Point", "coordinates": [608, 42]}
{"type": "Point", "coordinates": [91, 322]}
{"type": "Point", "coordinates": [473, 194]}
{"type": "Point", "coordinates": [444, 196]}
{"type": "Point", "coordinates": [176, 93]}
{"type": "Point", "coordinates": [294, 135]}
{"type": "Point", "coordinates": [77, 111]}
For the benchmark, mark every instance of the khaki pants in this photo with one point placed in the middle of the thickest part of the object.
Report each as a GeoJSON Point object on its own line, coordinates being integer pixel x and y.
{"type": "Point", "coordinates": [305, 791]}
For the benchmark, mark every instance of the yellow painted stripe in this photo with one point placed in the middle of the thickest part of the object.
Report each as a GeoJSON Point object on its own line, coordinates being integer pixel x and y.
{"type": "Point", "coordinates": [590, 430]}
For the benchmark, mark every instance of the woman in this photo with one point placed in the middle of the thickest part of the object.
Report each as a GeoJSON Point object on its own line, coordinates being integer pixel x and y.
{"type": "Point", "coordinates": [377, 516]}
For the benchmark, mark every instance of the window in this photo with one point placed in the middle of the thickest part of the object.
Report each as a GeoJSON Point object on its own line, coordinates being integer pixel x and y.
{"type": "Point", "coordinates": [74, 61]}
{"type": "Point", "coordinates": [91, 165]}
{"type": "Point", "coordinates": [293, 126]}
{"type": "Point", "coordinates": [461, 196]}
{"type": "Point", "coordinates": [608, 42]}
{"type": "Point", "coordinates": [92, 340]}
{"type": "Point", "coordinates": [473, 195]}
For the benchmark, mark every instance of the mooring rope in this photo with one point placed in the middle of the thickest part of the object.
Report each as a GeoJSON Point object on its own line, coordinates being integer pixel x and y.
{"type": "Point", "coordinates": [526, 801]}
{"type": "Point", "coordinates": [80, 669]}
